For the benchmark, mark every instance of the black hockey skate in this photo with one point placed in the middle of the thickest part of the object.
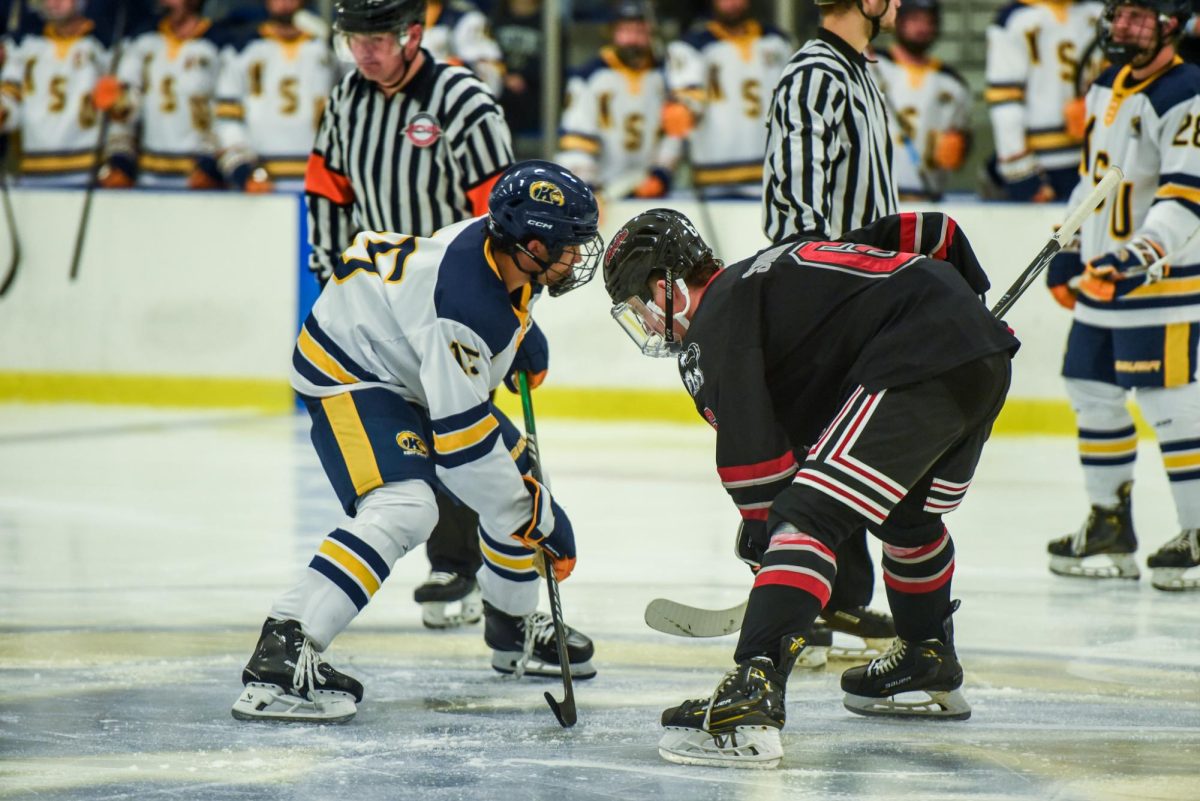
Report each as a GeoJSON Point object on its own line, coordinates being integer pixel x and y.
{"type": "Point", "coordinates": [738, 726]}
{"type": "Point", "coordinates": [1170, 564]}
{"type": "Point", "coordinates": [286, 680]}
{"type": "Point", "coordinates": [876, 631]}
{"type": "Point", "coordinates": [525, 646]}
{"type": "Point", "coordinates": [1104, 545]}
{"type": "Point", "coordinates": [448, 600]}
{"type": "Point", "coordinates": [928, 669]}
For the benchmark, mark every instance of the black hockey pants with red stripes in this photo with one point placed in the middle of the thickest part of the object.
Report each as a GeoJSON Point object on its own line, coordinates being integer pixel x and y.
{"type": "Point", "coordinates": [895, 460]}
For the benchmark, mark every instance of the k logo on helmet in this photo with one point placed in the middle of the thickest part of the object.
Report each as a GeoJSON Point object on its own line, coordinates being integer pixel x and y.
{"type": "Point", "coordinates": [546, 192]}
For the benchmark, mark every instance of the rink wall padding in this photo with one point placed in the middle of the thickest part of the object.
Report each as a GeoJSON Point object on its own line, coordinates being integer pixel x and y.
{"type": "Point", "coordinates": [194, 299]}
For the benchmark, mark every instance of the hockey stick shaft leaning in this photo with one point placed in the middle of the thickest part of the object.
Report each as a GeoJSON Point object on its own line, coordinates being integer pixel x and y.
{"type": "Point", "coordinates": [564, 710]}
{"type": "Point", "coordinates": [14, 259]}
{"type": "Point", "coordinates": [118, 32]}
{"type": "Point", "coordinates": [1069, 227]}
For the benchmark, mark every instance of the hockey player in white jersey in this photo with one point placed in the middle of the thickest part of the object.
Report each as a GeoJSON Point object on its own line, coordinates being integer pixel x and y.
{"type": "Point", "coordinates": [610, 134]}
{"type": "Point", "coordinates": [1033, 52]}
{"type": "Point", "coordinates": [395, 364]}
{"type": "Point", "coordinates": [270, 97]}
{"type": "Point", "coordinates": [46, 95]}
{"type": "Point", "coordinates": [1137, 316]}
{"type": "Point", "coordinates": [930, 104]}
{"type": "Point", "coordinates": [163, 117]}
{"type": "Point", "coordinates": [457, 32]}
{"type": "Point", "coordinates": [720, 79]}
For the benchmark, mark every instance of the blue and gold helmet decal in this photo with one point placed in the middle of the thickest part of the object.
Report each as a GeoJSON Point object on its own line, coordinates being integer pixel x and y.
{"type": "Point", "coordinates": [546, 192]}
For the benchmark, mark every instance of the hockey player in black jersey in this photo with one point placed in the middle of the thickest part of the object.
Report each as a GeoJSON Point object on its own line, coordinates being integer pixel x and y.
{"type": "Point", "coordinates": [850, 382]}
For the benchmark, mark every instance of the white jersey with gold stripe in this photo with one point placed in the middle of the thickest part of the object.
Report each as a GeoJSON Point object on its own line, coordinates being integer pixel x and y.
{"type": "Point", "coordinates": [925, 100]}
{"type": "Point", "coordinates": [726, 79]}
{"type": "Point", "coordinates": [270, 98]}
{"type": "Point", "coordinates": [430, 319]}
{"type": "Point", "coordinates": [610, 126]}
{"type": "Point", "coordinates": [1033, 50]}
{"type": "Point", "coordinates": [171, 84]}
{"type": "Point", "coordinates": [1151, 130]}
{"type": "Point", "coordinates": [46, 94]}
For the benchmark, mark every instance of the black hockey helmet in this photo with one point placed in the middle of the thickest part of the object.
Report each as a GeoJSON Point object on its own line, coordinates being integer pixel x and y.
{"type": "Point", "coordinates": [655, 242]}
{"type": "Point", "coordinates": [377, 16]}
{"type": "Point", "coordinates": [1121, 53]}
{"type": "Point", "coordinates": [932, 6]}
{"type": "Point", "coordinates": [545, 201]}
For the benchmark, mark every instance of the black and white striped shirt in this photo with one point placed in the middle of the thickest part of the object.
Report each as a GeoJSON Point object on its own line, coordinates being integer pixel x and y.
{"type": "Point", "coordinates": [829, 155]}
{"type": "Point", "coordinates": [411, 164]}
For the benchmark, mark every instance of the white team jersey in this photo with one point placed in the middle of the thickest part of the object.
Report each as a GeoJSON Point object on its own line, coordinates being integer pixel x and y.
{"type": "Point", "coordinates": [458, 33]}
{"type": "Point", "coordinates": [1033, 50]}
{"type": "Point", "coordinates": [925, 100]}
{"type": "Point", "coordinates": [46, 92]}
{"type": "Point", "coordinates": [727, 81]}
{"type": "Point", "coordinates": [270, 98]}
{"type": "Point", "coordinates": [430, 319]}
{"type": "Point", "coordinates": [609, 132]}
{"type": "Point", "coordinates": [1151, 130]}
{"type": "Point", "coordinates": [171, 84]}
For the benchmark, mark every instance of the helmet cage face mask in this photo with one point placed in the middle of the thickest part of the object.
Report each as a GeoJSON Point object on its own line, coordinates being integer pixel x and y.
{"type": "Point", "coordinates": [1132, 53]}
{"type": "Point", "coordinates": [571, 267]}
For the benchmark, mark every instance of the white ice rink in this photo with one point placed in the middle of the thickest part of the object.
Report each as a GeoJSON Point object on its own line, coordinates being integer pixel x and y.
{"type": "Point", "coordinates": [139, 551]}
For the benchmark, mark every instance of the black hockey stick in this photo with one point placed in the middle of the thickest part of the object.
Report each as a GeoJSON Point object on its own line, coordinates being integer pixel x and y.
{"type": "Point", "coordinates": [564, 710]}
{"type": "Point", "coordinates": [672, 617]}
{"type": "Point", "coordinates": [118, 31]}
{"type": "Point", "coordinates": [14, 239]}
{"type": "Point", "coordinates": [1062, 236]}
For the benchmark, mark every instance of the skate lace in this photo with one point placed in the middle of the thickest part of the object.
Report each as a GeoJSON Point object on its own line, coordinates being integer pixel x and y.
{"type": "Point", "coordinates": [889, 660]}
{"type": "Point", "coordinates": [539, 628]}
{"type": "Point", "coordinates": [1188, 541]}
{"type": "Point", "coordinates": [438, 577]}
{"type": "Point", "coordinates": [307, 675]}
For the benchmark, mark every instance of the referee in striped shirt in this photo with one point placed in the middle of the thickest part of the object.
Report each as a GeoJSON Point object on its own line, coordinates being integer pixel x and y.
{"type": "Point", "coordinates": [829, 171]}
{"type": "Point", "coordinates": [829, 154]}
{"type": "Point", "coordinates": [409, 145]}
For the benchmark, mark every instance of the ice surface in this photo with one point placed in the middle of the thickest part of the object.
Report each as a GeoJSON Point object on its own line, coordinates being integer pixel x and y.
{"type": "Point", "coordinates": [139, 551]}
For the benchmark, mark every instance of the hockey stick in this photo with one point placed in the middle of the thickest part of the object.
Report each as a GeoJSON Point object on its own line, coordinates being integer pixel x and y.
{"type": "Point", "coordinates": [671, 617]}
{"type": "Point", "coordinates": [564, 710]}
{"type": "Point", "coordinates": [118, 31]}
{"type": "Point", "coordinates": [14, 258]}
{"type": "Point", "coordinates": [1061, 237]}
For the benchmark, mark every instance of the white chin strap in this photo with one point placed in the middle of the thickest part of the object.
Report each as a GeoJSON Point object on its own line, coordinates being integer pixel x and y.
{"type": "Point", "coordinates": [681, 315]}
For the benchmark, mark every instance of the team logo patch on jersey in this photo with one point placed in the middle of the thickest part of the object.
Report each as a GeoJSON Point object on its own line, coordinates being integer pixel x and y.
{"type": "Point", "coordinates": [424, 130]}
{"type": "Point", "coordinates": [689, 369]}
{"type": "Point", "coordinates": [711, 417]}
{"type": "Point", "coordinates": [546, 192]}
{"type": "Point", "coordinates": [411, 444]}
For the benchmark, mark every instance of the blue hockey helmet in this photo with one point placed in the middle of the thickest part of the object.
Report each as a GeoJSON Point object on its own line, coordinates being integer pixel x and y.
{"type": "Point", "coordinates": [544, 201]}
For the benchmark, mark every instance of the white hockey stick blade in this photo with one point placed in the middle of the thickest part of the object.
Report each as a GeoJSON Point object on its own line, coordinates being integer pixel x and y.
{"type": "Point", "coordinates": [671, 617]}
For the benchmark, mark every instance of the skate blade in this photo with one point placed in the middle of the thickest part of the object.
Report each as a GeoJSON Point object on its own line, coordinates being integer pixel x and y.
{"type": "Point", "coordinates": [753, 747]}
{"type": "Point", "coordinates": [872, 648]}
{"type": "Point", "coordinates": [945, 705]}
{"type": "Point", "coordinates": [506, 662]}
{"type": "Point", "coordinates": [1173, 579]}
{"type": "Point", "coordinates": [452, 614]}
{"type": "Point", "coordinates": [1098, 566]}
{"type": "Point", "coordinates": [270, 702]}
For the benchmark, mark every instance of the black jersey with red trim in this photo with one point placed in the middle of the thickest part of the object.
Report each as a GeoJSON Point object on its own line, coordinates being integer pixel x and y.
{"type": "Point", "coordinates": [781, 339]}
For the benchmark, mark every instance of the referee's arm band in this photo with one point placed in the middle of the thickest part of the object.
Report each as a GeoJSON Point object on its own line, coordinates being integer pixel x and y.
{"type": "Point", "coordinates": [320, 180]}
{"type": "Point", "coordinates": [478, 194]}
